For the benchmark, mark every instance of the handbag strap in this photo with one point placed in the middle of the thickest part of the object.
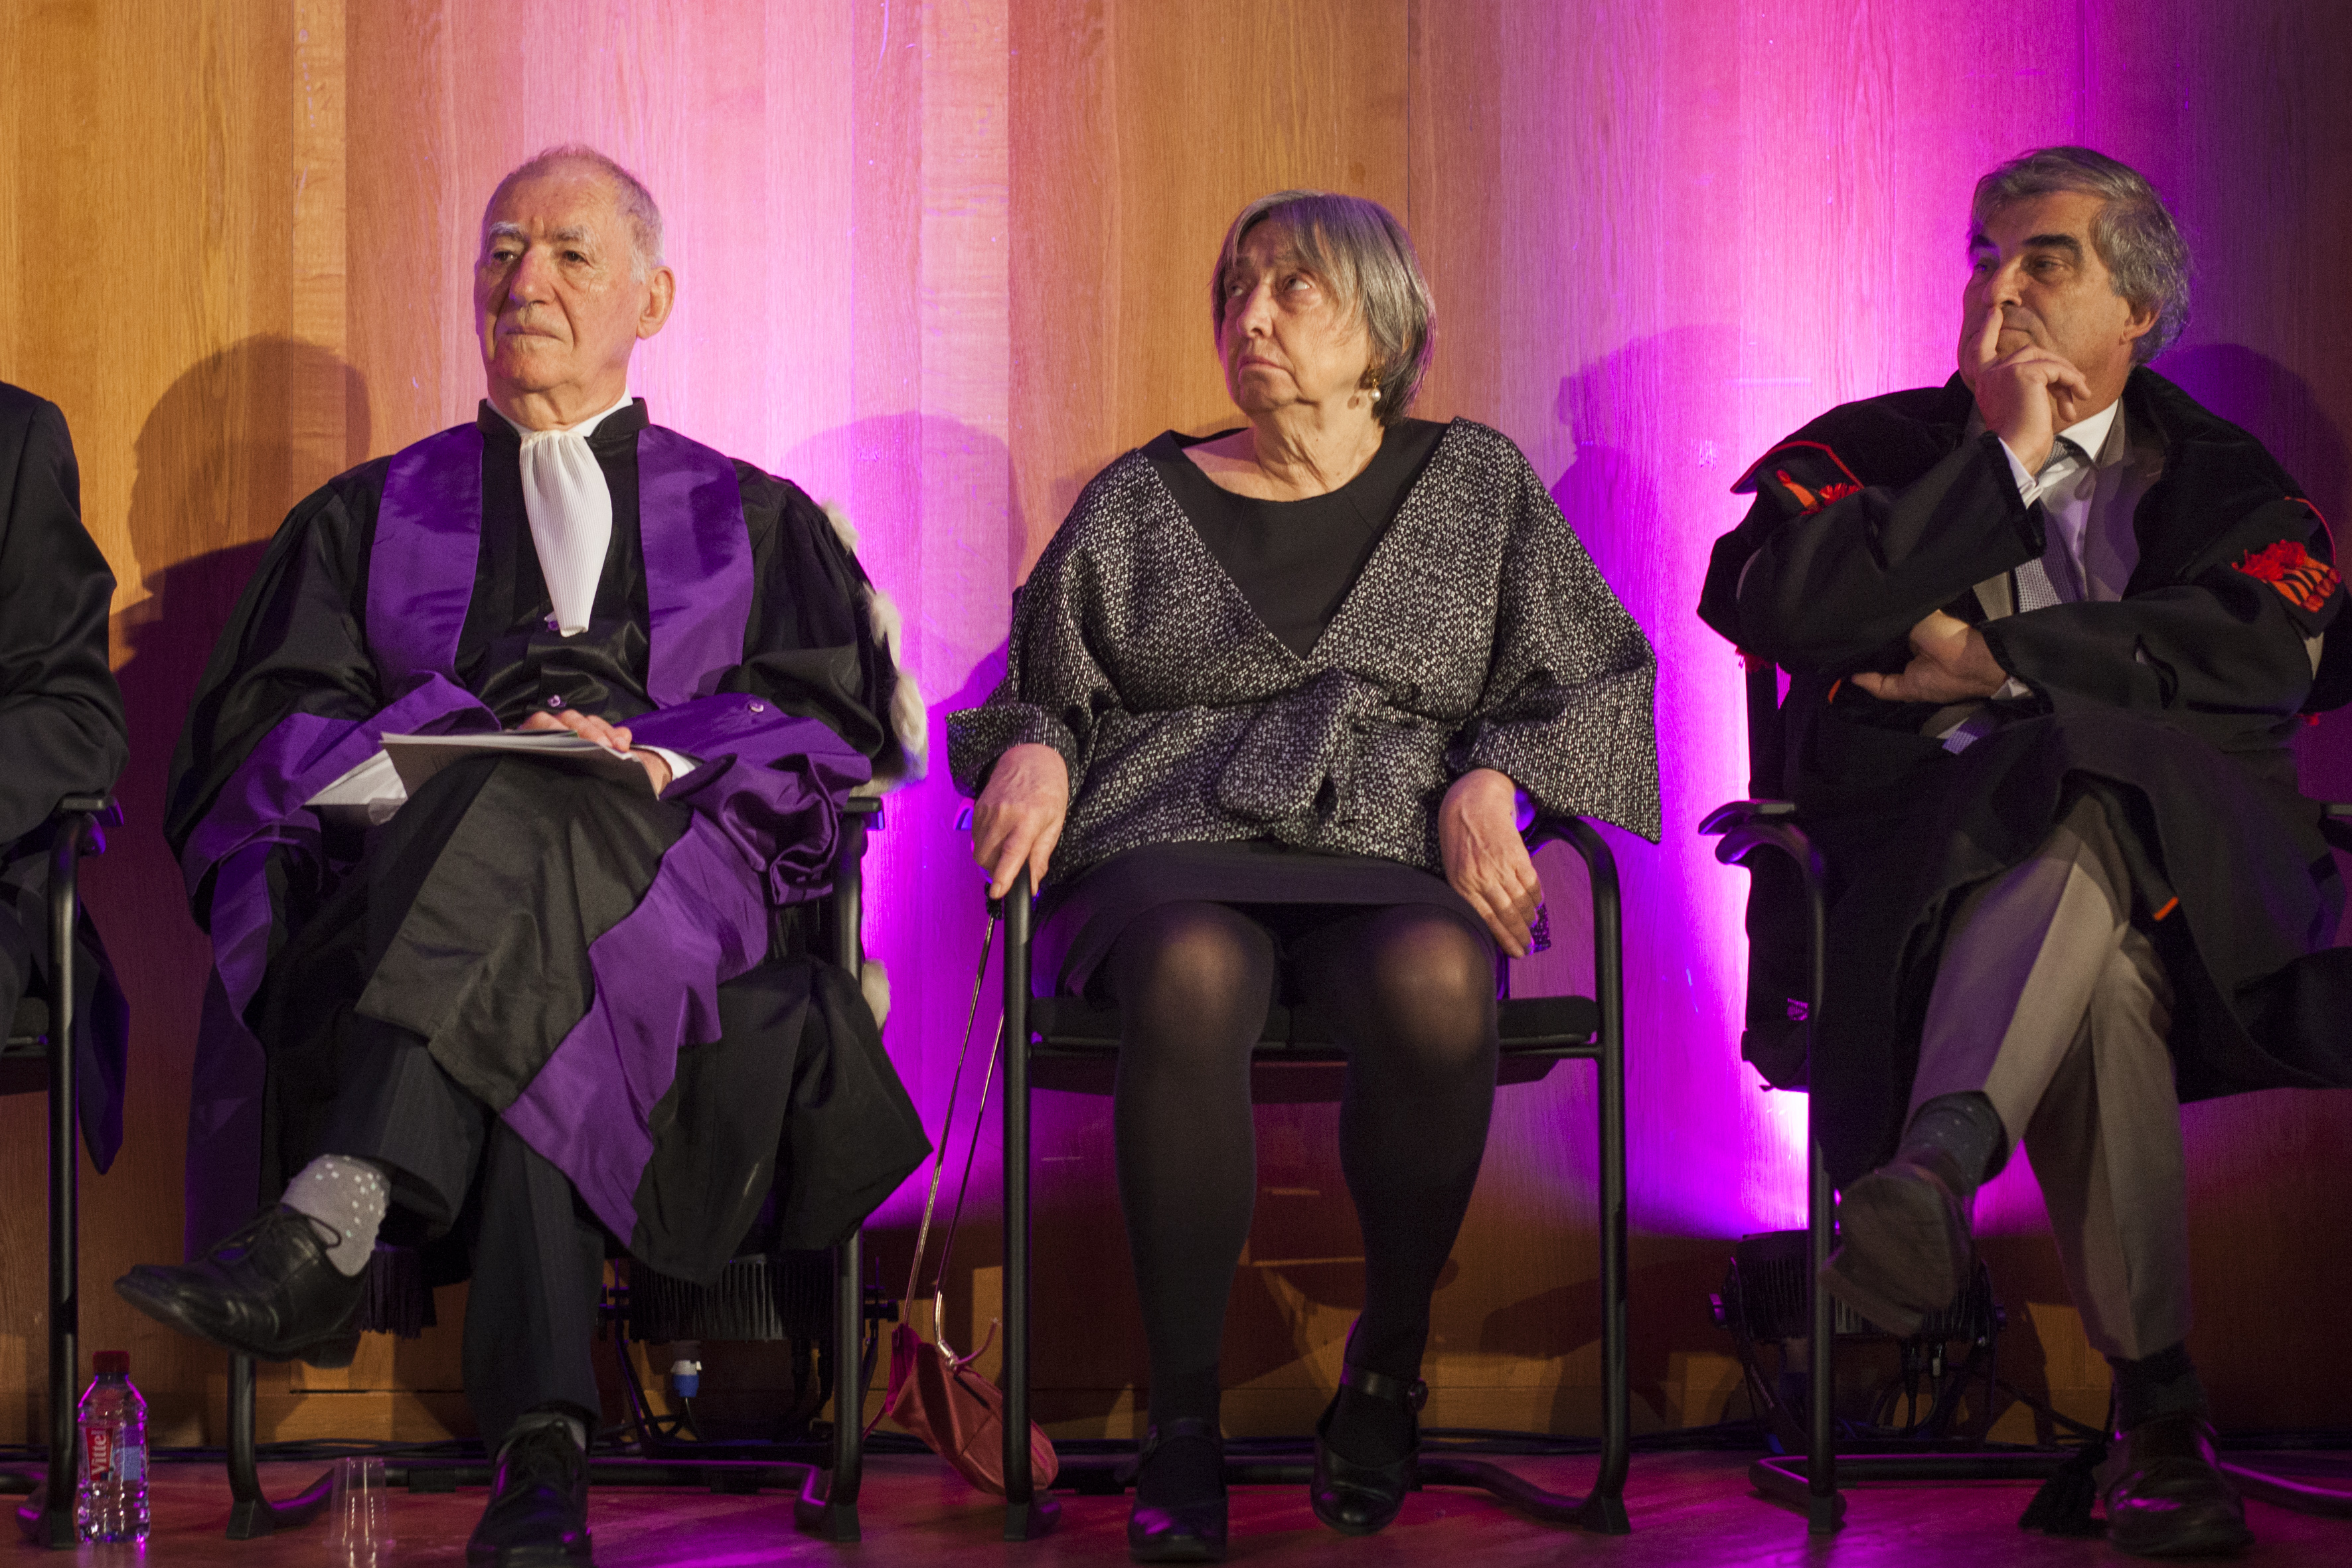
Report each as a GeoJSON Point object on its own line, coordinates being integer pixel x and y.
{"type": "Point", "coordinates": [947, 1242]}
{"type": "Point", "coordinates": [946, 1125]}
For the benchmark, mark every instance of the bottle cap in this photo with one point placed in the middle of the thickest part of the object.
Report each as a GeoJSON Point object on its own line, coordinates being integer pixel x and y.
{"type": "Point", "coordinates": [111, 1364]}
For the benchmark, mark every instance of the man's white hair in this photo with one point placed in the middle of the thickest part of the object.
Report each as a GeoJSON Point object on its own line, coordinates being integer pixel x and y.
{"type": "Point", "coordinates": [629, 194]}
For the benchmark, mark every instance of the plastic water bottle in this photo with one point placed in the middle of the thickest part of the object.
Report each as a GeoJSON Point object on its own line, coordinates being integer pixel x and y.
{"type": "Point", "coordinates": [110, 1504]}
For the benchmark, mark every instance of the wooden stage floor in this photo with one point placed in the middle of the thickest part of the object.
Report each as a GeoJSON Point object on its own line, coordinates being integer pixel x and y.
{"type": "Point", "coordinates": [1687, 1508]}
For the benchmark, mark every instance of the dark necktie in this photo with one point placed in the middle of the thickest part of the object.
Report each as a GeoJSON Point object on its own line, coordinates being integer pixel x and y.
{"type": "Point", "coordinates": [2055, 579]}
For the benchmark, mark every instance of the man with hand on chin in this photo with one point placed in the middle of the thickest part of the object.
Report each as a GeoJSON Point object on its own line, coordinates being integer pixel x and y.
{"type": "Point", "coordinates": [526, 1011]}
{"type": "Point", "coordinates": [2049, 628]}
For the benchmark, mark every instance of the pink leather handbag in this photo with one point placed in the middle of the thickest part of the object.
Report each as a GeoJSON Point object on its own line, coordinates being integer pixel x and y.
{"type": "Point", "coordinates": [934, 1393]}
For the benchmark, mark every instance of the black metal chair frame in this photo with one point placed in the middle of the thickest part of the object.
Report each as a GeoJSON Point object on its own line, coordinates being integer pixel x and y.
{"type": "Point", "coordinates": [1765, 825]}
{"type": "Point", "coordinates": [77, 833]}
{"type": "Point", "coordinates": [1059, 1031]}
{"type": "Point", "coordinates": [826, 1506]}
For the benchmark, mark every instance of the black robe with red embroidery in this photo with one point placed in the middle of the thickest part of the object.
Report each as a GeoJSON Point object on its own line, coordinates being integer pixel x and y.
{"type": "Point", "coordinates": [2174, 705]}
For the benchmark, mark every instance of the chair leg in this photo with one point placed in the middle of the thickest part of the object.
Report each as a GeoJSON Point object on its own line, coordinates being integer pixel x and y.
{"type": "Point", "coordinates": [52, 1525]}
{"type": "Point", "coordinates": [1825, 1505]}
{"type": "Point", "coordinates": [827, 1506]}
{"type": "Point", "coordinates": [1029, 1514]}
{"type": "Point", "coordinates": [251, 1514]}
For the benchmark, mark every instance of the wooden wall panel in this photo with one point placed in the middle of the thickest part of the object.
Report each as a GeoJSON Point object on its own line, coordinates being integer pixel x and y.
{"type": "Point", "coordinates": [149, 288]}
{"type": "Point", "coordinates": [1142, 130]}
{"type": "Point", "coordinates": [942, 260]}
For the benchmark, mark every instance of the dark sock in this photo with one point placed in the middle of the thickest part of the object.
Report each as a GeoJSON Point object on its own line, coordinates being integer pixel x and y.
{"type": "Point", "coordinates": [1370, 1431]}
{"type": "Point", "coordinates": [1184, 1470]}
{"type": "Point", "coordinates": [1965, 1129]}
{"type": "Point", "coordinates": [2162, 1384]}
{"type": "Point", "coordinates": [570, 1419]}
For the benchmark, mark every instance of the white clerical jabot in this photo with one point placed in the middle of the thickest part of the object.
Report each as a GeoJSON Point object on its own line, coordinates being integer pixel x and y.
{"type": "Point", "coordinates": [571, 511]}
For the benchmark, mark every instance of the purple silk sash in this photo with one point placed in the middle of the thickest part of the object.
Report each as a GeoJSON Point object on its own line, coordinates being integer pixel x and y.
{"type": "Point", "coordinates": [697, 551]}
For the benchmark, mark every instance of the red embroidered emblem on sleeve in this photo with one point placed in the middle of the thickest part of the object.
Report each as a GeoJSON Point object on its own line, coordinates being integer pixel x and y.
{"type": "Point", "coordinates": [1813, 500]}
{"type": "Point", "coordinates": [2303, 581]}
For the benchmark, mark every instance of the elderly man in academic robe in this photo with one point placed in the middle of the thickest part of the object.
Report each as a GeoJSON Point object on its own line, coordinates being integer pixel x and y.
{"type": "Point", "coordinates": [2050, 629]}
{"type": "Point", "coordinates": [61, 734]}
{"type": "Point", "coordinates": [527, 1008]}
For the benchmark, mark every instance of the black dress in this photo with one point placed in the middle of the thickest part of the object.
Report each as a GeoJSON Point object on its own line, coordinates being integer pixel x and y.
{"type": "Point", "coordinates": [1296, 563]}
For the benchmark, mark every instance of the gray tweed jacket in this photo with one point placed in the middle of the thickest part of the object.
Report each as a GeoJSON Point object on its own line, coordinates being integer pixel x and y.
{"type": "Point", "coordinates": [1478, 636]}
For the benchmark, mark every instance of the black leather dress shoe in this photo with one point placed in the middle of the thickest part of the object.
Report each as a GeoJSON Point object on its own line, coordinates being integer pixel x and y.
{"type": "Point", "coordinates": [1904, 1249]}
{"type": "Point", "coordinates": [269, 1290]}
{"type": "Point", "coordinates": [1178, 1532]}
{"type": "Point", "coordinates": [1355, 1498]}
{"type": "Point", "coordinates": [2166, 1498]}
{"type": "Point", "coordinates": [538, 1503]}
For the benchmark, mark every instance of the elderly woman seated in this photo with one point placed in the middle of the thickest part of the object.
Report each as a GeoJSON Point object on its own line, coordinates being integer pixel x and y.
{"type": "Point", "coordinates": [1270, 701]}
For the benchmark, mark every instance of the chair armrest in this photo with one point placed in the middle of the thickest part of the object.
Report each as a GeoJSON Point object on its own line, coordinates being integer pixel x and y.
{"type": "Point", "coordinates": [86, 817]}
{"type": "Point", "coordinates": [1734, 813]}
{"type": "Point", "coordinates": [1579, 833]}
{"type": "Point", "coordinates": [1608, 914]}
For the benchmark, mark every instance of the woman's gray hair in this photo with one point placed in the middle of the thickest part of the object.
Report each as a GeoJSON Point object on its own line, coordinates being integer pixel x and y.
{"type": "Point", "coordinates": [629, 194]}
{"type": "Point", "coordinates": [2133, 232]}
{"type": "Point", "coordinates": [1359, 249]}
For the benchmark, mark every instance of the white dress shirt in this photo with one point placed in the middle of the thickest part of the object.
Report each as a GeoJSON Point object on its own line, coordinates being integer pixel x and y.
{"type": "Point", "coordinates": [2090, 488]}
{"type": "Point", "coordinates": [2088, 495]}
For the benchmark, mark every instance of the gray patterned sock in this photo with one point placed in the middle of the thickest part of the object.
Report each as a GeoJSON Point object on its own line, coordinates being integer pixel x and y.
{"type": "Point", "coordinates": [1968, 1129]}
{"type": "Point", "coordinates": [348, 1197]}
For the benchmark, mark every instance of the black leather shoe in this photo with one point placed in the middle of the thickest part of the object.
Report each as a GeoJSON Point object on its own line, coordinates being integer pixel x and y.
{"type": "Point", "coordinates": [538, 1503]}
{"type": "Point", "coordinates": [2164, 1496]}
{"type": "Point", "coordinates": [269, 1290]}
{"type": "Point", "coordinates": [1905, 1248]}
{"type": "Point", "coordinates": [1357, 1499]}
{"type": "Point", "coordinates": [1178, 1532]}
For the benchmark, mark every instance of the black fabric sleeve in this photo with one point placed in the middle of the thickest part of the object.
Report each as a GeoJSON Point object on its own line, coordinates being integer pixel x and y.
{"type": "Point", "coordinates": [811, 645]}
{"type": "Point", "coordinates": [1829, 585]}
{"type": "Point", "coordinates": [61, 726]}
{"type": "Point", "coordinates": [294, 644]}
{"type": "Point", "coordinates": [2229, 640]}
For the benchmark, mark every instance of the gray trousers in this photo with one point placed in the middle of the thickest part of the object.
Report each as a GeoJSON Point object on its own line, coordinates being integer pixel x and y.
{"type": "Point", "coordinates": [537, 1261]}
{"type": "Point", "coordinates": [2052, 1005]}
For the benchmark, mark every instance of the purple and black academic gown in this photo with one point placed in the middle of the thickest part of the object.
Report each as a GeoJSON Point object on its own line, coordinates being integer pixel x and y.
{"type": "Point", "coordinates": [567, 950]}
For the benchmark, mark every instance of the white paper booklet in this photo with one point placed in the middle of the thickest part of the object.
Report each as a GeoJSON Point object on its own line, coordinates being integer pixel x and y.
{"type": "Point", "coordinates": [369, 794]}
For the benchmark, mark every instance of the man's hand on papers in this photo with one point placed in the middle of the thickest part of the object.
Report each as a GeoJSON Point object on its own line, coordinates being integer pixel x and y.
{"type": "Point", "coordinates": [587, 726]}
{"type": "Point", "coordinates": [2026, 395]}
{"type": "Point", "coordinates": [1949, 663]}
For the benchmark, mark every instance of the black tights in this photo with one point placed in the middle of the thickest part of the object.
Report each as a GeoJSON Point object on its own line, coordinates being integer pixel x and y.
{"type": "Point", "coordinates": [1409, 991]}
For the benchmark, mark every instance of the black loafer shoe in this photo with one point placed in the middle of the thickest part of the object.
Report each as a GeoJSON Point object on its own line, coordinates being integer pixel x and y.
{"type": "Point", "coordinates": [1904, 1249]}
{"type": "Point", "coordinates": [1178, 1532]}
{"type": "Point", "coordinates": [2166, 1498]}
{"type": "Point", "coordinates": [269, 1290]}
{"type": "Point", "coordinates": [538, 1503]}
{"type": "Point", "coordinates": [1355, 1498]}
